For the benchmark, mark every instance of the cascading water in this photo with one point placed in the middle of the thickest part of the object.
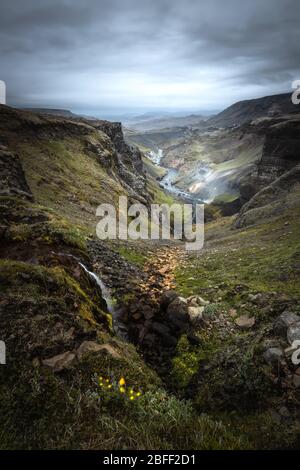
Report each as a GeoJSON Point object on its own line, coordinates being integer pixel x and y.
{"type": "Point", "coordinates": [104, 290]}
{"type": "Point", "coordinates": [119, 326]}
{"type": "Point", "coordinates": [105, 293]}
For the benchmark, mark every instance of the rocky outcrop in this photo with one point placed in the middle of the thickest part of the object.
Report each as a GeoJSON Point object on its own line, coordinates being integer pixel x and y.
{"type": "Point", "coordinates": [127, 160]}
{"type": "Point", "coordinates": [12, 177]}
{"type": "Point", "coordinates": [271, 200]}
{"type": "Point", "coordinates": [102, 139]}
{"type": "Point", "coordinates": [281, 146]}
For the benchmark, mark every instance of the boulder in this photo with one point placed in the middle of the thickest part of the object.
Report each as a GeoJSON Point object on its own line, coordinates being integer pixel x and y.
{"type": "Point", "coordinates": [196, 315]}
{"type": "Point", "coordinates": [273, 356]}
{"type": "Point", "coordinates": [92, 347]}
{"type": "Point", "coordinates": [177, 313]}
{"type": "Point", "coordinates": [293, 332]}
{"type": "Point", "coordinates": [167, 297]}
{"type": "Point", "coordinates": [60, 362]}
{"type": "Point", "coordinates": [164, 333]}
{"type": "Point", "coordinates": [197, 301]}
{"type": "Point", "coordinates": [283, 322]}
{"type": "Point", "coordinates": [244, 322]}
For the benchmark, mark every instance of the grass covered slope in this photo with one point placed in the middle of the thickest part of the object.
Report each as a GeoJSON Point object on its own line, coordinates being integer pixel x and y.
{"type": "Point", "coordinates": [250, 273]}
{"type": "Point", "coordinates": [72, 166]}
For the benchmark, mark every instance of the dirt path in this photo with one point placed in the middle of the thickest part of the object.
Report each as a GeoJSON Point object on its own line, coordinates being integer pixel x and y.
{"type": "Point", "coordinates": [160, 270]}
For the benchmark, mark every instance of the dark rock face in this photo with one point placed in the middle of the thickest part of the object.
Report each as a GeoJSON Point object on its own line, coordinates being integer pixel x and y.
{"type": "Point", "coordinates": [127, 159]}
{"type": "Point", "coordinates": [284, 321]}
{"type": "Point", "coordinates": [277, 171]}
{"type": "Point", "coordinates": [177, 313]}
{"type": "Point", "coordinates": [12, 177]}
{"type": "Point", "coordinates": [269, 201]}
{"type": "Point", "coordinates": [281, 150]}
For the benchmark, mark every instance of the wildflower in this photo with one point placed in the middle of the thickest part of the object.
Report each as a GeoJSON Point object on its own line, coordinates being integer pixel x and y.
{"type": "Point", "coordinates": [122, 381]}
{"type": "Point", "coordinates": [132, 397]}
{"type": "Point", "coordinates": [122, 389]}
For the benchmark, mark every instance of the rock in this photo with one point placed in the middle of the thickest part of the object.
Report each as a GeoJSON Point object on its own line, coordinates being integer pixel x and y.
{"type": "Point", "coordinates": [148, 312]}
{"type": "Point", "coordinates": [196, 301]}
{"type": "Point", "coordinates": [283, 322]}
{"type": "Point", "coordinates": [12, 177]}
{"type": "Point", "coordinates": [293, 332]}
{"type": "Point", "coordinates": [244, 322]}
{"type": "Point", "coordinates": [92, 347]}
{"type": "Point", "coordinates": [196, 315]}
{"type": "Point", "coordinates": [160, 328]}
{"type": "Point", "coordinates": [177, 313]}
{"type": "Point", "coordinates": [167, 297]}
{"type": "Point", "coordinates": [60, 362]}
{"type": "Point", "coordinates": [296, 380]}
{"type": "Point", "coordinates": [273, 356]}
{"type": "Point", "coordinates": [164, 333]}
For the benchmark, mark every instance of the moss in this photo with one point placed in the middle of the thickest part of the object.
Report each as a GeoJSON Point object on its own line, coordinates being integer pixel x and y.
{"type": "Point", "coordinates": [59, 230]}
{"type": "Point", "coordinates": [185, 363]}
{"type": "Point", "coordinates": [133, 255]}
{"type": "Point", "coordinates": [20, 232]}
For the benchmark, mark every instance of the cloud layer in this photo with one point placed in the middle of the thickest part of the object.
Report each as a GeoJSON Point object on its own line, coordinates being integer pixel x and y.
{"type": "Point", "coordinates": [124, 55]}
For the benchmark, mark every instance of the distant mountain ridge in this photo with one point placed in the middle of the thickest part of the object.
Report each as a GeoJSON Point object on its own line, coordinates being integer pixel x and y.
{"type": "Point", "coordinates": [245, 111]}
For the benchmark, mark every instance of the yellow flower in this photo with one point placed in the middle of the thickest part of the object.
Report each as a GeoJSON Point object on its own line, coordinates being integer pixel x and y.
{"type": "Point", "coordinates": [138, 394]}
{"type": "Point", "coordinates": [122, 381]}
{"type": "Point", "coordinates": [122, 389]}
{"type": "Point", "coordinates": [109, 386]}
{"type": "Point", "coordinates": [132, 397]}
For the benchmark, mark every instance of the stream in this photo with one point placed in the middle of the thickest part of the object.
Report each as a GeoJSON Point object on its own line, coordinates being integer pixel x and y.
{"type": "Point", "coordinates": [168, 181]}
{"type": "Point", "coordinates": [205, 184]}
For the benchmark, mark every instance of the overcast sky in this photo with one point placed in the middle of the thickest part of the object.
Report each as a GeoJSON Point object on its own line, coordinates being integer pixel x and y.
{"type": "Point", "coordinates": [97, 55]}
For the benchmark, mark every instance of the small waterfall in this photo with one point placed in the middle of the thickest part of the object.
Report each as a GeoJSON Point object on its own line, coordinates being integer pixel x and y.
{"type": "Point", "coordinates": [104, 290]}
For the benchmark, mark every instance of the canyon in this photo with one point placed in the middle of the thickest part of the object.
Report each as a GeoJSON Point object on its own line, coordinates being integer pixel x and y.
{"type": "Point", "coordinates": [202, 341]}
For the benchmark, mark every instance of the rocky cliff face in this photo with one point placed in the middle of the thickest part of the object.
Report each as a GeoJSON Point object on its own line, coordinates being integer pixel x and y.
{"type": "Point", "coordinates": [281, 150]}
{"type": "Point", "coordinates": [12, 178]}
{"type": "Point", "coordinates": [126, 158]}
{"type": "Point", "coordinates": [21, 130]}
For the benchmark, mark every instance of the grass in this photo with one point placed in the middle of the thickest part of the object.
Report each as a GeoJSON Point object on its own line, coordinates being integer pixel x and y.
{"type": "Point", "coordinates": [262, 257]}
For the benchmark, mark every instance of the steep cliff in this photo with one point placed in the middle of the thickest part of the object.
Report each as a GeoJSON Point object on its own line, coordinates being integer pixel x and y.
{"type": "Point", "coordinates": [71, 162]}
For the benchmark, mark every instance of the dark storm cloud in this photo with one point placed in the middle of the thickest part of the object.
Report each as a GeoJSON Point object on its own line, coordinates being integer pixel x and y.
{"type": "Point", "coordinates": [98, 54]}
